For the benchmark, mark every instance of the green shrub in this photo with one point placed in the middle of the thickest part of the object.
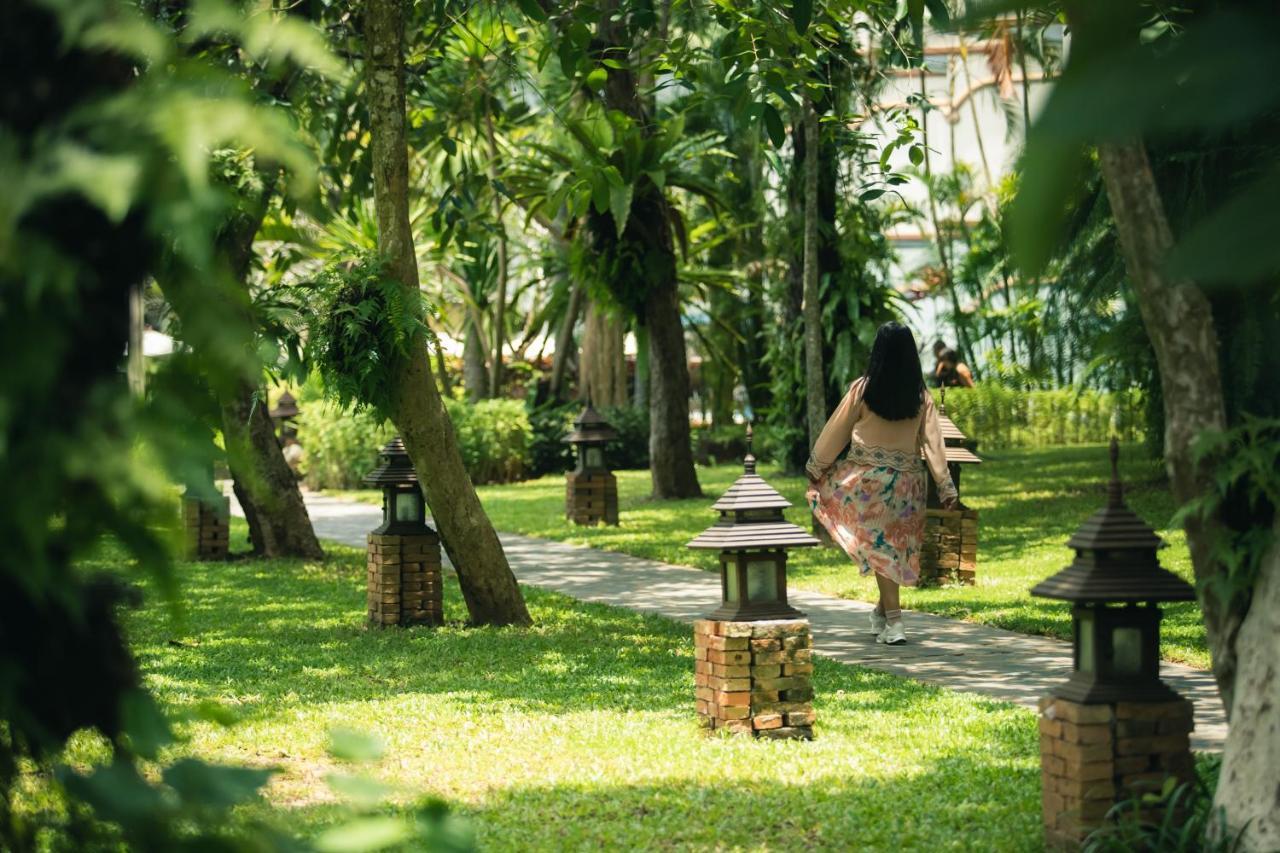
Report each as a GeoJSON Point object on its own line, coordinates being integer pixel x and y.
{"type": "Point", "coordinates": [727, 443]}
{"type": "Point", "coordinates": [549, 424]}
{"type": "Point", "coordinates": [999, 417]}
{"type": "Point", "coordinates": [494, 436]}
{"type": "Point", "coordinates": [342, 446]}
{"type": "Point", "coordinates": [630, 450]}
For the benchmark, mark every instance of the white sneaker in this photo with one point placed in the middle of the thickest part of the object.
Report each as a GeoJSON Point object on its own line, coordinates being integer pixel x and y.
{"type": "Point", "coordinates": [878, 621]}
{"type": "Point", "coordinates": [892, 635]}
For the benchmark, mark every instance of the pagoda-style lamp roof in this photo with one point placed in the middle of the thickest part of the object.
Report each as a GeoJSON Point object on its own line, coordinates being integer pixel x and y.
{"type": "Point", "coordinates": [751, 516]}
{"type": "Point", "coordinates": [1115, 557]}
{"type": "Point", "coordinates": [395, 467]}
{"type": "Point", "coordinates": [590, 427]}
{"type": "Point", "coordinates": [286, 407]}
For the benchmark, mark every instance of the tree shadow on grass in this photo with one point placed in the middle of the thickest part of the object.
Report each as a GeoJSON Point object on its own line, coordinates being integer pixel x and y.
{"type": "Point", "coordinates": [273, 635]}
{"type": "Point", "coordinates": [954, 802]}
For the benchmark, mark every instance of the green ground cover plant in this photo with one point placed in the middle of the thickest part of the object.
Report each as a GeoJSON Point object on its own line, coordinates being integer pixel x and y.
{"type": "Point", "coordinates": [575, 734]}
{"type": "Point", "coordinates": [1031, 500]}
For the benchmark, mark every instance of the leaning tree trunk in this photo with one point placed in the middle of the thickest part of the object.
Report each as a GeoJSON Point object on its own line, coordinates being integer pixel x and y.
{"type": "Point", "coordinates": [488, 586]}
{"type": "Point", "coordinates": [264, 484]}
{"type": "Point", "coordinates": [1242, 638]}
{"type": "Point", "coordinates": [815, 390]}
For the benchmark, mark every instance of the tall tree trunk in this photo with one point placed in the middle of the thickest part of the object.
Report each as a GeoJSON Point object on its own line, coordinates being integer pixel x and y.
{"type": "Point", "coordinates": [602, 370]}
{"type": "Point", "coordinates": [475, 379]}
{"type": "Point", "coordinates": [670, 448]}
{"type": "Point", "coordinates": [488, 586]}
{"type": "Point", "coordinates": [646, 249]}
{"type": "Point", "coordinates": [564, 341]}
{"type": "Point", "coordinates": [137, 366]}
{"type": "Point", "coordinates": [815, 387]}
{"type": "Point", "coordinates": [442, 371]}
{"type": "Point", "coordinates": [500, 294]}
{"type": "Point", "coordinates": [264, 484]}
{"type": "Point", "coordinates": [1242, 636]}
{"type": "Point", "coordinates": [1179, 322]}
{"type": "Point", "coordinates": [641, 399]}
{"type": "Point", "coordinates": [1249, 783]}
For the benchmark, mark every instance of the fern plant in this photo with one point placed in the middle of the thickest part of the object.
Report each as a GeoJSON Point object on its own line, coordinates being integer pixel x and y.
{"type": "Point", "coordinates": [364, 329]}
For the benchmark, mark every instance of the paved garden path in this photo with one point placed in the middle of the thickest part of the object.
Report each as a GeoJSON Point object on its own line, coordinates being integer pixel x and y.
{"type": "Point", "coordinates": [963, 656]}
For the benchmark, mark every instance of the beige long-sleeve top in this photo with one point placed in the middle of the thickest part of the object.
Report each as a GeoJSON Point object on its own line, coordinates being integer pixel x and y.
{"type": "Point", "coordinates": [854, 422]}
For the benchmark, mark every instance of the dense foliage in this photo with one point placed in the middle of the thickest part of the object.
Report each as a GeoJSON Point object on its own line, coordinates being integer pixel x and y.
{"type": "Point", "coordinates": [342, 445]}
{"type": "Point", "coordinates": [1000, 417]}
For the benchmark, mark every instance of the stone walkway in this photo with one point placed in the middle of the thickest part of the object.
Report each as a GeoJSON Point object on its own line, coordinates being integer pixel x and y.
{"type": "Point", "coordinates": [962, 656]}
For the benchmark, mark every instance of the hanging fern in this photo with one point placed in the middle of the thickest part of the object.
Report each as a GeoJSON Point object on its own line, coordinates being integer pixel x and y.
{"type": "Point", "coordinates": [363, 329]}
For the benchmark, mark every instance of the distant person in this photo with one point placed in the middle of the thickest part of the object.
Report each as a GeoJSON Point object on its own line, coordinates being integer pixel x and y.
{"type": "Point", "coordinates": [873, 501]}
{"type": "Point", "coordinates": [951, 372]}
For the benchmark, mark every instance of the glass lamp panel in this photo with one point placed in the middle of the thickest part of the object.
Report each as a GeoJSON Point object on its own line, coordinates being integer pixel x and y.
{"type": "Point", "coordinates": [1126, 646]}
{"type": "Point", "coordinates": [762, 580]}
{"type": "Point", "coordinates": [595, 457]}
{"type": "Point", "coordinates": [731, 592]}
{"type": "Point", "coordinates": [1087, 659]}
{"type": "Point", "coordinates": [407, 506]}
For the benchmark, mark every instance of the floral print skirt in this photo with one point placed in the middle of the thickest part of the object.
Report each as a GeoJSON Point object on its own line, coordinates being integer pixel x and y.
{"type": "Point", "coordinates": [872, 503]}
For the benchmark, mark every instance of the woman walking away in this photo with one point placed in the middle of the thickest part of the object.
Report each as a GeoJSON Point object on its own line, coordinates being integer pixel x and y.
{"type": "Point", "coordinates": [873, 501]}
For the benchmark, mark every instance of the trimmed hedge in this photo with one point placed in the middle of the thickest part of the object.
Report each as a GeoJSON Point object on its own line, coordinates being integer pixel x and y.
{"type": "Point", "coordinates": [998, 417]}
{"type": "Point", "coordinates": [342, 446]}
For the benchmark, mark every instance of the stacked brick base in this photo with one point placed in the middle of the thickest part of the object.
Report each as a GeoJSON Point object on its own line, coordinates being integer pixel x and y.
{"type": "Point", "coordinates": [754, 677]}
{"type": "Point", "coordinates": [404, 580]}
{"type": "Point", "coordinates": [591, 498]}
{"type": "Point", "coordinates": [1094, 756]}
{"type": "Point", "coordinates": [949, 552]}
{"type": "Point", "coordinates": [206, 532]}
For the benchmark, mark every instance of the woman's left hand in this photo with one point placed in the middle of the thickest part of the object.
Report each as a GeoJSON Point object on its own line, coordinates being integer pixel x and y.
{"type": "Point", "coordinates": [951, 503]}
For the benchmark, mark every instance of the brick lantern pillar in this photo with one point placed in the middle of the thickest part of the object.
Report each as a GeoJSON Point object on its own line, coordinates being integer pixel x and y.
{"type": "Point", "coordinates": [949, 551]}
{"type": "Point", "coordinates": [591, 490]}
{"type": "Point", "coordinates": [1113, 731]}
{"type": "Point", "coordinates": [753, 654]}
{"type": "Point", "coordinates": [404, 566]}
{"type": "Point", "coordinates": [206, 523]}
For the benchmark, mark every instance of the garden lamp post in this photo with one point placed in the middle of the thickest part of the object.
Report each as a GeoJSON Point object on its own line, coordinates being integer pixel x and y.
{"type": "Point", "coordinates": [403, 510]}
{"type": "Point", "coordinates": [286, 409]}
{"type": "Point", "coordinates": [404, 566]}
{"type": "Point", "coordinates": [591, 490]}
{"type": "Point", "coordinates": [752, 537]}
{"type": "Point", "coordinates": [206, 528]}
{"type": "Point", "coordinates": [1114, 585]}
{"type": "Point", "coordinates": [1113, 730]}
{"type": "Point", "coordinates": [752, 654]}
{"type": "Point", "coordinates": [958, 447]}
{"type": "Point", "coordinates": [949, 550]}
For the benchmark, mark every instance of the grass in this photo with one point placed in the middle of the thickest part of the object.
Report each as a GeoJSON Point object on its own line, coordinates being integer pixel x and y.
{"type": "Point", "coordinates": [1030, 503]}
{"type": "Point", "coordinates": [575, 734]}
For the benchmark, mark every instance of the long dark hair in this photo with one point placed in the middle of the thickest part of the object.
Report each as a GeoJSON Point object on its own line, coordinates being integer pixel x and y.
{"type": "Point", "coordinates": [895, 381]}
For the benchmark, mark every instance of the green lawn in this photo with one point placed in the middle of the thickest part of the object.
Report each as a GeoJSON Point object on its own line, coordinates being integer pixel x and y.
{"type": "Point", "coordinates": [1031, 501]}
{"type": "Point", "coordinates": [578, 733]}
